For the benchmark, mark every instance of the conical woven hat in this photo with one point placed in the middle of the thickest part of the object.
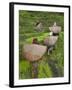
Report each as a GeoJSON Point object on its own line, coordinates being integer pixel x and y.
{"type": "Point", "coordinates": [33, 52]}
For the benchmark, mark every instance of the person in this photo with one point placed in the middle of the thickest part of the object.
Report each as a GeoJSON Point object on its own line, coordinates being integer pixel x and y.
{"type": "Point", "coordinates": [39, 26]}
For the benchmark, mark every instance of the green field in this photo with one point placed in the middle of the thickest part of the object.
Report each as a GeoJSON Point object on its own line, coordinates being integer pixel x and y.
{"type": "Point", "coordinates": [50, 65]}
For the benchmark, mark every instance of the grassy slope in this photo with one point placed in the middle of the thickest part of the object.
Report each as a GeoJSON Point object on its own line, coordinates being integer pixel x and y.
{"type": "Point", "coordinates": [48, 66]}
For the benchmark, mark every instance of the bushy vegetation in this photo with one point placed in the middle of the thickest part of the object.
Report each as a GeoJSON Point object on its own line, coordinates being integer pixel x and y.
{"type": "Point", "coordinates": [50, 65]}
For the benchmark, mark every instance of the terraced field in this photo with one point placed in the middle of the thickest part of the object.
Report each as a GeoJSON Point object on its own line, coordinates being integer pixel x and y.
{"type": "Point", "coordinates": [50, 65]}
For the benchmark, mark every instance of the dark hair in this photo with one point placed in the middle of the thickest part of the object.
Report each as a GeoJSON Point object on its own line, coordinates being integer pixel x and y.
{"type": "Point", "coordinates": [55, 34]}
{"type": "Point", "coordinates": [35, 41]}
